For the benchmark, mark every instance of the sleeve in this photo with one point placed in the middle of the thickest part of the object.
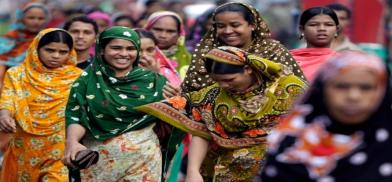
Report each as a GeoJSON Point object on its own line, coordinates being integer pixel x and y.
{"type": "Point", "coordinates": [75, 111]}
{"type": "Point", "coordinates": [8, 94]}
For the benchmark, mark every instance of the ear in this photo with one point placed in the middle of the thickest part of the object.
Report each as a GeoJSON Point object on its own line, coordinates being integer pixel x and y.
{"type": "Point", "coordinates": [248, 70]}
{"type": "Point", "coordinates": [253, 27]}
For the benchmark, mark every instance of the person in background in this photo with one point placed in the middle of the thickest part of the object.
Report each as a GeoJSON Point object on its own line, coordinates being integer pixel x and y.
{"type": "Point", "coordinates": [238, 25]}
{"type": "Point", "coordinates": [84, 32]}
{"type": "Point", "coordinates": [102, 19]}
{"type": "Point", "coordinates": [340, 130]}
{"type": "Point", "coordinates": [32, 106]}
{"type": "Point", "coordinates": [100, 112]}
{"type": "Point", "coordinates": [151, 6]}
{"type": "Point", "coordinates": [153, 58]}
{"type": "Point", "coordinates": [123, 19]}
{"type": "Point", "coordinates": [319, 26]}
{"type": "Point", "coordinates": [342, 42]}
{"type": "Point", "coordinates": [201, 26]}
{"type": "Point", "coordinates": [13, 45]}
{"type": "Point", "coordinates": [229, 120]}
{"type": "Point", "coordinates": [167, 27]}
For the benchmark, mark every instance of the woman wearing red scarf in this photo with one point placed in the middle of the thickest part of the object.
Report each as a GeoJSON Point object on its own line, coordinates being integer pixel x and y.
{"type": "Point", "coordinates": [318, 26]}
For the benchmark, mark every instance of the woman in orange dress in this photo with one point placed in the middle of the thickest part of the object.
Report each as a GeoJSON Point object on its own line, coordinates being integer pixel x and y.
{"type": "Point", "coordinates": [32, 109]}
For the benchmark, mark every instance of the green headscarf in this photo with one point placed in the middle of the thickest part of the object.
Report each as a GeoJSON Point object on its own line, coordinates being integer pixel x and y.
{"type": "Point", "coordinates": [103, 103]}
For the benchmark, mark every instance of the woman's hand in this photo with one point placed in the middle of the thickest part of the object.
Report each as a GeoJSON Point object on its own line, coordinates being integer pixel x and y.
{"type": "Point", "coordinates": [150, 63]}
{"type": "Point", "coordinates": [170, 90]}
{"type": "Point", "coordinates": [71, 149]}
{"type": "Point", "coordinates": [194, 176]}
{"type": "Point", "coordinates": [7, 123]}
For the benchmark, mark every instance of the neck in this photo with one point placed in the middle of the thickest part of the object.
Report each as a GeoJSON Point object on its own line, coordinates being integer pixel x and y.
{"type": "Point", "coordinates": [83, 56]}
{"type": "Point", "coordinates": [338, 41]}
{"type": "Point", "coordinates": [308, 45]}
{"type": "Point", "coordinates": [122, 73]}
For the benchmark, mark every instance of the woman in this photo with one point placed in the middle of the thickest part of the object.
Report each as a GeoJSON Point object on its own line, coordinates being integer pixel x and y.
{"type": "Point", "coordinates": [170, 37]}
{"type": "Point", "coordinates": [231, 118]}
{"type": "Point", "coordinates": [13, 45]}
{"type": "Point", "coordinates": [238, 25]}
{"type": "Point", "coordinates": [32, 106]}
{"type": "Point", "coordinates": [100, 112]}
{"type": "Point", "coordinates": [152, 58]}
{"type": "Point", "coordinates": [102, 19]}
{"type": "Point", "coordinates": [318, 26]}
{"type": "Point", "coordinates": [341, 129]}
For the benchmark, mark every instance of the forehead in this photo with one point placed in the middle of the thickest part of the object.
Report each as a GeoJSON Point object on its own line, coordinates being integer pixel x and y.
{"type": "Point", "coordinates": [57, 45]}
{"type": "Point", "coordinates": [320, 18]}
{"type": "Point", "coordinates": [229, 16]}
{"type": "Point", "coordinates": [35, 11]}
{"type": "Point", "coordinates": [121, 42]}
{"type": "Point", "coordinates": [341, 13]}
{"type": "Point", "coordinates": [146, 41]}
{"type": "Point", "coordinates": [356, 75]}
{"type": "Point", "coordinates": [166, 22]}
{"type": "Point", "coordinates": [79, 25]}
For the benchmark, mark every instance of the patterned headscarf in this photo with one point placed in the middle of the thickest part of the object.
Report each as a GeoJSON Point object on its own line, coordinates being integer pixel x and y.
{"type": "Point", "coordinates": [37, 95]}
{"type": "Point", "coordinates": [103, 103]}
{"type": "Point", "coordinates": [262, 45]}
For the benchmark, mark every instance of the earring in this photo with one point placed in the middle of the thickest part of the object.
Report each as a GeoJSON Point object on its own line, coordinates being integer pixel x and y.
{"type": "Point", "coordinates": [301, 36]}
{"type": "Point", "coordinates": [336, 35]}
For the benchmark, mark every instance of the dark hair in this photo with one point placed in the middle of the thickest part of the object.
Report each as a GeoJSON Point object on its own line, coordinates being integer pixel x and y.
{"type": "Point", "coordinates": [146, 34]}
{"type": "Point", "coordinates": [59, 36]}
{"type": "Point", "coordinates": [235, 7]}
{"type": "Point", "coordinates": [340, 7]}
{"type": "Point", "coordinates": [83, 19]}
{"type": "Point", "coordinates": [311, 12]}
{"type": "Point", "coordinates": [149, 3]}
{"type": "Point", "coordinates": [124, 17]}
{"type": "Point", "coordinates": [222, 68]}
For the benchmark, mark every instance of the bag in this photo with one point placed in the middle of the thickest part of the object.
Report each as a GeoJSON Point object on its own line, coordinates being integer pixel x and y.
{"type": "Point", "coordinates": [85, 158]}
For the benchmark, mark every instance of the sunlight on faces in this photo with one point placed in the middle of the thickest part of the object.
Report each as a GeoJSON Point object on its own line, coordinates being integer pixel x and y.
{"type": "Point", "coordinates": [235, 82]}
{"type": "Point", "coordinates": [83, 35]}
{"type": "Point", "coordinates": [34, 20]}
{"type": "Point", "coordinates": [233, 30]}
{"type": "Point", "coordinates": [166, 32]}
{"type": "Point", "coordinates": [54, 54]}
{"type": "Point", "coordinates": [353, 96]}
{"type": "Point", "coordinates": [120, 55]}
{"type": "Point", "coordinates": [319, 31]}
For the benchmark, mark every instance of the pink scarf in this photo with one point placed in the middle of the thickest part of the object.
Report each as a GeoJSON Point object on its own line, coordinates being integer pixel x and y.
{"type": "Point", "coordinates": [310, 59]}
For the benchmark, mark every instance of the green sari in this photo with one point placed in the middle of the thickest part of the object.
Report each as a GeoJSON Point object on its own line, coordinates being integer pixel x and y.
{"type": "Point", "coordinates": [103, 103]}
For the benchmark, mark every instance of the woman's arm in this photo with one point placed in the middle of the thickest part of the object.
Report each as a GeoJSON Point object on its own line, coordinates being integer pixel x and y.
{"type": "Point", "coordinates": [75, 133]}
{"type": "Point", "coordinates": [197, 152]}
{"type": "Point", "coordinates": [7, 123]}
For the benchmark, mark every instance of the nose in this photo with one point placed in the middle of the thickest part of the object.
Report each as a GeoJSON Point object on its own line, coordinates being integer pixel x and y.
{"type": "Point", "coordinates": [322, 27]}
{"type": "Point", "coordinates": [354, 94]}
{"type": "Point", "coordinates": [124, 52]}
{"type": "Point", "coordinates": [228, 30]}
{"type": "Point", "coordinates": [56, 54]}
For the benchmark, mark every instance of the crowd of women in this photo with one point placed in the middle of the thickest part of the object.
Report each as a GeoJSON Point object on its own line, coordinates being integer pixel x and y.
{"type": "Point", "coordinates": [239, 107]}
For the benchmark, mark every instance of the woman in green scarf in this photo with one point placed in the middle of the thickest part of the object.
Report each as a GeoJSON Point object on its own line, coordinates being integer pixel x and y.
{"type": "Point", "coordinates": [230, 119]}
{"type": "Point", "coordinates": [100, 112]}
